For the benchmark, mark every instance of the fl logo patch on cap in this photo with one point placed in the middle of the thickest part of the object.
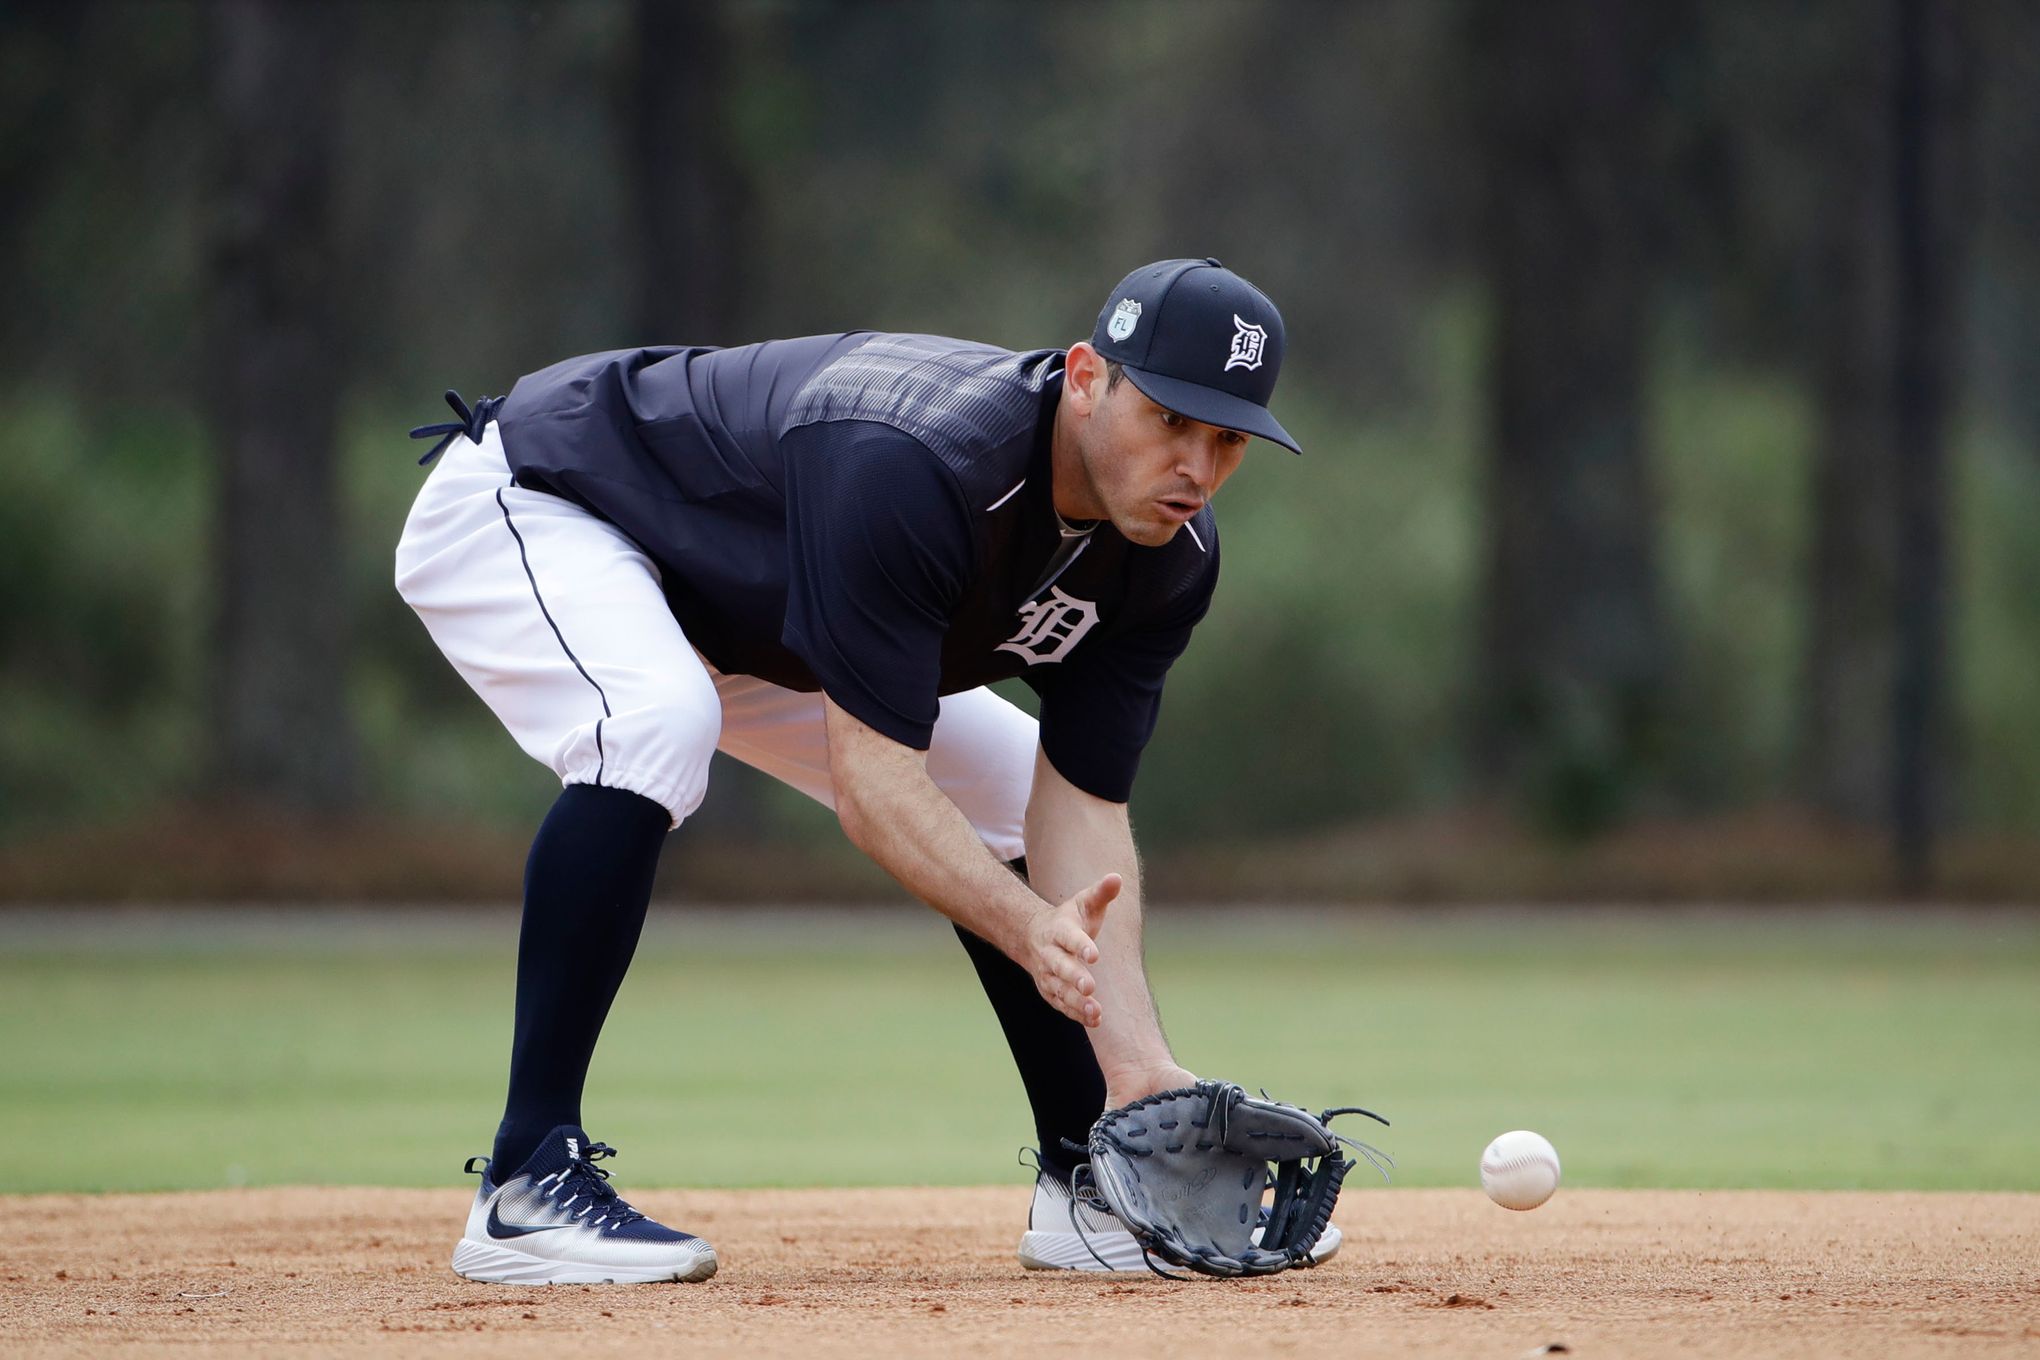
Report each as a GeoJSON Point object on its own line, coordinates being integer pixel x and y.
{"type": "Point", "coordinates": [1246, 344]}
{"type": "Point", "coordinates": [1124, 318]}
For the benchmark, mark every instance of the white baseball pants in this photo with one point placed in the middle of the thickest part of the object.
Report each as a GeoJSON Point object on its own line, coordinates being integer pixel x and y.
{"type": "Point", "coordinates": [556, 619]}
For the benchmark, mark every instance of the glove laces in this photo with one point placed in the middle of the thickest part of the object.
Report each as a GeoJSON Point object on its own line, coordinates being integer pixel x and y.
{"type": "Point", "coordinates": [1374, 1156]}
{"type": "Point", "coordinates": [1084, 1190]}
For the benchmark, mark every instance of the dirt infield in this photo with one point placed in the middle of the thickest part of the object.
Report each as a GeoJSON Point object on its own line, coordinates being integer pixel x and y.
{"type": "Point", "coordinates": [931, 1273]}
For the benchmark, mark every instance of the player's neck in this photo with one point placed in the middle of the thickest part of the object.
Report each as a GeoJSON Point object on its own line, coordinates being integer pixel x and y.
{"type": "Point", "coordinates": [1071, 490]}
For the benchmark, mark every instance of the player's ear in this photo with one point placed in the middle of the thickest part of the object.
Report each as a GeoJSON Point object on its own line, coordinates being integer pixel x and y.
{"type": "Point", "coordinates": [1084, 377]}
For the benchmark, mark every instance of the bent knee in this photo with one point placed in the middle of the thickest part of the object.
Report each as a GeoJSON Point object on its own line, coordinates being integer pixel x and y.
{"type": "Point", "coordinates": [660, 749]}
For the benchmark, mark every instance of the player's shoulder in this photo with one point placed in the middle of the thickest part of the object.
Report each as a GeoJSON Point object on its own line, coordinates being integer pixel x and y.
{"type": "Point", "coordinates": [975, 406]}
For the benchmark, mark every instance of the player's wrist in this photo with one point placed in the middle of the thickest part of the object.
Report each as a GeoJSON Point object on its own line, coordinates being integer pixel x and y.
{"type": "Point", "coordinates": [1127, 1083]}
{"type": "Point", "coordinates": [1016, 925]}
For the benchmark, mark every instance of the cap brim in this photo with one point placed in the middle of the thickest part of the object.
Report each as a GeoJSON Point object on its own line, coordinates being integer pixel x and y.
{"type": "Point", "coordinates": [1212, 406]}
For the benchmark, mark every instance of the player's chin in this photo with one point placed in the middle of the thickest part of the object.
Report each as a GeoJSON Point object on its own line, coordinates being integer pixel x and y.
{"type": "Point", "coordinates": [1150, 533]}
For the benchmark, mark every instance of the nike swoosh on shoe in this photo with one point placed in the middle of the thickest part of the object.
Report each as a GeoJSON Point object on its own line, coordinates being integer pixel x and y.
{"type": "Point", "coordinates": [504, 1231]}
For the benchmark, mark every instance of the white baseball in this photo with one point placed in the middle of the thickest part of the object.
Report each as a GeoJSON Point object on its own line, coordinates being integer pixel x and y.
{"type": "Point", "coordinates": [1519, 1170]}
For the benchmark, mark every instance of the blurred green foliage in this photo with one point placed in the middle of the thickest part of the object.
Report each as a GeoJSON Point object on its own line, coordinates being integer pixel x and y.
{"type": "Point", "coordinates": [103, 535]}
{"type": "Point", "coordinates": [984, 169]}
{"type": "Point", "coordinates": [1996, 658]}
{"type": "Point", "coordinates": [1329, 682]}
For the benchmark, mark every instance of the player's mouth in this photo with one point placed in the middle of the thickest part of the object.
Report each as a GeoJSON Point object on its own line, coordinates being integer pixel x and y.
{"type": "Point", "coordinates": [1182, 509]}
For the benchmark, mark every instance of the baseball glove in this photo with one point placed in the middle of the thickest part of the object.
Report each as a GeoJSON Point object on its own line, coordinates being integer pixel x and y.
{"type": "Point", "coordinates": [1185, 1171]}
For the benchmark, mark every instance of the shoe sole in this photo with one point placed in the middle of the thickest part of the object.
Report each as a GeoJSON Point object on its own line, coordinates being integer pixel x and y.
{"type": "Point", "coordinates": [491, 1263]}
{"type": "Point", "coordinates": [1066, 1250]}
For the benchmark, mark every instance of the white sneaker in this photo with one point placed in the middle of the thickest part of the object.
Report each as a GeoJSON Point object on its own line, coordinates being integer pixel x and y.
{"type": "Point", "coordinates": [558, 1221]}
{"type": "Point", "coordinates": [1052, 1242]}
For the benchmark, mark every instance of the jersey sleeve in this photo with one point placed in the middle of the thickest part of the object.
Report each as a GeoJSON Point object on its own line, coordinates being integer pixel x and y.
{"type": "Point", "coordinates": [1098, 713]}
{"type": "Point", "coordinates": [879, 552]}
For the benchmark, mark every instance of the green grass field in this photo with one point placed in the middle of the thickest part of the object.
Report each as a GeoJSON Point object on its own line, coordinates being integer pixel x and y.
{"type": "Point", "coordinates": [1830, 1050]}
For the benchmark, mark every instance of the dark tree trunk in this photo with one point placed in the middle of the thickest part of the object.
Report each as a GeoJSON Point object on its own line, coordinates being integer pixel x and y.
{"type": "Point", "coordinates": [1892, 238]}
{"type": "Point", "coordinates": [1573, 646]}
{"type": "Point", "coordinates": [49, 54]}
{"type": "Point", "coordinates": [1932, 208]}
{"type": "Point", "coordinates": [686, 198]}
{"type": "Point", "coordinates": [283, 735]}
{"type": "Point", "coordinates": [1846, 767]}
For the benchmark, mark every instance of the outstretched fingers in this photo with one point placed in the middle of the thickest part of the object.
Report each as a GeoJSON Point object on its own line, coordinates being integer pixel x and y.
{"type": "Point", "coordinates": [1071, 972]}
{"type": "Point", "coordinates": [1068, 948]}
{"type": "Point", "coordinates": [1072, 939]}
{"type": "Point", "coordinates": [1078, 1006]}
{"type": "Point", "coordinates": [1069, 984]}
{"type": "Point", "coordinates": [1064, 980]}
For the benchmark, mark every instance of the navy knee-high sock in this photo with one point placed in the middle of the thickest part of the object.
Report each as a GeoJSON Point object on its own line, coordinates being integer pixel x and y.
{"type": "Point", "coordinates": [1053, 1052]}
{"type": "Point", "coordinates": [586, 887]}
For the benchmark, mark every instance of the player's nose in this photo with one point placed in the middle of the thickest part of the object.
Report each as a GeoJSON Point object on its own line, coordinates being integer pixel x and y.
{"type": "Point", "coordinates": [1199, 463]}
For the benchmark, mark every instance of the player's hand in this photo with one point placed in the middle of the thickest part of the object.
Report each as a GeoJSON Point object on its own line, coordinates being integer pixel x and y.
{"type": "Point", "coordinates": [1062, 944]}
{"type": "Point", "coordinates": [1123, 1087]}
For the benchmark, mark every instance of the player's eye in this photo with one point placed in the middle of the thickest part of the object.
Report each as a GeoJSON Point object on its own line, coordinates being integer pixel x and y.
{"type": "Point", "coordinates": [1171, 419]}
{"type": "Point", "coordinates": [1231, 438]}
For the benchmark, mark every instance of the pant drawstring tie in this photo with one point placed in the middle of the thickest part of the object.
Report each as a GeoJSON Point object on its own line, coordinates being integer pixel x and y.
{"type": "Point", "coordinates": [471, 424]}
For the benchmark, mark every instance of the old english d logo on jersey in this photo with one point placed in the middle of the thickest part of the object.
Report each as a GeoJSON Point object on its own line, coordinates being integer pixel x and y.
{"type": "Point", "coordinates": [1246, 344]}
{"type": "Point", "coordinates": [1050, 628]}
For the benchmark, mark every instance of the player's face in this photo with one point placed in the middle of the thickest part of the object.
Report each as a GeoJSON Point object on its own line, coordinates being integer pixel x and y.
{"type": "Point", "coordinates": [1151, 469]}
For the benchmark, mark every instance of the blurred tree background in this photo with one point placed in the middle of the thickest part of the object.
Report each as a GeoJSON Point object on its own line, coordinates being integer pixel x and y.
{"type": "Point", "coordinates": [1670, 376]}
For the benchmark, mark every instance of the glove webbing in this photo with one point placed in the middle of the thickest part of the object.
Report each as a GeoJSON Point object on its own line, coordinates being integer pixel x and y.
{"type": "Point", "coordinates": [1302, 1216]}
{"type": "Point", "coordinates": [1303, 1200]}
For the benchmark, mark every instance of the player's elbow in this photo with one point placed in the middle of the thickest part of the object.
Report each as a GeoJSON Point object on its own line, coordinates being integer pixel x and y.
{"type": "Point", "coordinates": [853, 818]}
{"type": "Point", "coordinates": [874, 805]}
{"type": "Point", "coordinates": [857, 804]}
{"type": "Point", "coordinates": [861, 772]}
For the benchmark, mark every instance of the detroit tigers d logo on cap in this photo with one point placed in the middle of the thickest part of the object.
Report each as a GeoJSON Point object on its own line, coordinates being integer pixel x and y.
{"type": "Point", "coordinates": [1199, 340]}
{"type": "Point", "coordinates": [1246, 344]}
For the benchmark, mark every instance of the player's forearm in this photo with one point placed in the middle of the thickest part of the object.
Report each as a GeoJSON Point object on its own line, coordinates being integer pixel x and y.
{"type": "Point", "coordinates": [1128, 1038]}
{"type": "Point", "coordinates": [892, 810]}
{"type": "Point", "coordinates": [1074, 839]}
{"type": "Point", "coordinates": [913, 832]}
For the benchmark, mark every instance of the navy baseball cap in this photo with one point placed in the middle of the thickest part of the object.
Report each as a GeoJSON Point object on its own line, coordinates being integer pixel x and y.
{"type": "Point", "coordinates": [1200, 340]}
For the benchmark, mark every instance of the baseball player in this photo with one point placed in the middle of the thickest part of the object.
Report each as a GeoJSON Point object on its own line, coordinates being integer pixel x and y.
{"type": "Point", "coordinates": [815, 555]}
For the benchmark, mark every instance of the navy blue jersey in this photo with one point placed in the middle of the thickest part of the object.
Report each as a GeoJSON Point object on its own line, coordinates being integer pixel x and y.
{"type": "Point", "coordinates": [869, 515]}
